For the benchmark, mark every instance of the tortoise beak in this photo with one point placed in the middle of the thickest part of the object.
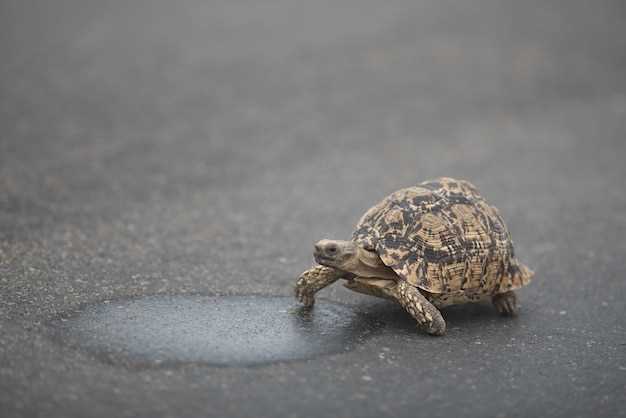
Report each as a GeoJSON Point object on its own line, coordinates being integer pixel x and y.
{"type": "Point", "coordinates": [326, 249]}
{"type": "Point", "coordinates": [322, 254]}
{"type": "Point", "coordinates": [320, 257]}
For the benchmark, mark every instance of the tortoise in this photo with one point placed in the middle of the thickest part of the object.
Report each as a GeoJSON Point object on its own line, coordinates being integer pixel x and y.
{"type": "Point", "coordinates": [428, 246]}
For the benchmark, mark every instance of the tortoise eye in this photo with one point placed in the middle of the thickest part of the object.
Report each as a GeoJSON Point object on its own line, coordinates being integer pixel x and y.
{"type": "Point", "coordinates": [332, 249]}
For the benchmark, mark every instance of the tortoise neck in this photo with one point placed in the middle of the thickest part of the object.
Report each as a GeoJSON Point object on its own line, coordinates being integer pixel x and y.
{"type": "Point", "coordinates": [368, 264]}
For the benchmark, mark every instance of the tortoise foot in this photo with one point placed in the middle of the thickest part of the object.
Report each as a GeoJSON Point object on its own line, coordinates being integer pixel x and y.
{"type": "Point", "coordinates": [505, 303]}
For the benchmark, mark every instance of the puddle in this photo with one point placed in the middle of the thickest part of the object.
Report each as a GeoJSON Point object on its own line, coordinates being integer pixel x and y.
{"type": "Point", "coordinates": [221, 331]}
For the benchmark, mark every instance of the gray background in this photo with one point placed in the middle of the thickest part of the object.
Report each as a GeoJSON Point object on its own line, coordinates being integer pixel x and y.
{"type": "Point", "coordinates": [202, 147]}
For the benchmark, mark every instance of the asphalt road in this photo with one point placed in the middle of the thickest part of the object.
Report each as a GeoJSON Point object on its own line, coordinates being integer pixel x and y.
{"type": "Point", "coordinates": [173, 148]}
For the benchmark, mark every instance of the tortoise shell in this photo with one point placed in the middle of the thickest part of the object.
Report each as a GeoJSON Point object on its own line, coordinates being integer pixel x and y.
{"type": "Point", "coordinates": [443, 237]}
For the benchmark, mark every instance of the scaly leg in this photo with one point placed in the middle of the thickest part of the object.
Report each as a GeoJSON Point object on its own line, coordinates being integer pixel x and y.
{"type": "Point", "coordinates": [427, 316]}
{"type": "Point", "coordinates": [505, 303]}
{"type": "Point", "coordinates": [313, 280]}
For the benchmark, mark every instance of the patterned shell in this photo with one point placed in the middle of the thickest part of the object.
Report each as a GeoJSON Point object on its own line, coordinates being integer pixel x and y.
{"type": "Point", "coordinates": [443, 237]}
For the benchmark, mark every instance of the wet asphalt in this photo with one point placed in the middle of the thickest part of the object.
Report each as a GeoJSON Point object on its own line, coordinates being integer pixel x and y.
{"type": "Point", "coordinates": [173, 158]}
{"type": "Point", "coordinates": [229, 331]}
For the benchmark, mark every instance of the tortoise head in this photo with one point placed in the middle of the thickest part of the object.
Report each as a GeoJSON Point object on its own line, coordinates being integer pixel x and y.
{"type": "Point", "coordinates": [335, 253]}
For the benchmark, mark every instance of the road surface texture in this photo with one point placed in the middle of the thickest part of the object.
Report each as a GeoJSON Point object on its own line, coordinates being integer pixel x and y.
{"type": "Point", "coordinates": [200, 148]}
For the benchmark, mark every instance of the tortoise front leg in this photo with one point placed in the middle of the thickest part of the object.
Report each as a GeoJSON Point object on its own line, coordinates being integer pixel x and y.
{"type": "Point", "coordinates": [313, 280]}
{"type": "Point", "coordinates": [426, 315]}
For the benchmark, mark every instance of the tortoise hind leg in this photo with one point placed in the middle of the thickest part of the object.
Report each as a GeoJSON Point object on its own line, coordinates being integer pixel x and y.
{"type": "Point", "coordinates": [428, 317]}
{"type": "Point", "coordinates": [505, 303]}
